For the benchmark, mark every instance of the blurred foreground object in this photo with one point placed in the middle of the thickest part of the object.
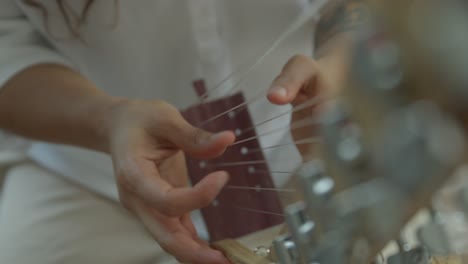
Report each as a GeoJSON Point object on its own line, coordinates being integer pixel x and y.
{"type": "Point", "coordinates": [391, 141]}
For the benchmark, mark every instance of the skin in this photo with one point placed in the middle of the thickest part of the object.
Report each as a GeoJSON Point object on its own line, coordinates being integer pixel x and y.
{"type": "Point", "coordinates": [303, 78]}
{"type": "Point", "coordinates": [146, 138]}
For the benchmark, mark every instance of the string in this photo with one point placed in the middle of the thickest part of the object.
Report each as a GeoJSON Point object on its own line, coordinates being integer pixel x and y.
{"type": "Point", "coordinates": [311, 11]}
{"type": "Point", "coordinates": [255, 210]}
{"type": "Point", "coordinates": [310, 140]}
{"type": "Point", "coordinates": [205, 95]}
{"type": "Point", "coordinates": [295, 125]}
{"type": "Point", "coordinates": [258, 188]}
{"type": "Point", "coordinates": [243, 163]}
{"type": "Point", "coordinates": [209, 120]}
{"type": "Point", "coordinates": [282, 172]}
{"type": "Point", "coordinates": [239, 163]}
{"type": "Point", "coordinates": [309, 103]}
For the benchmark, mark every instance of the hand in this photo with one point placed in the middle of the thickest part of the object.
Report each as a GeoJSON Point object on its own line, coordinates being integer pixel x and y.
{"type": "Point", "coordinates": [147, 140]}
{"type": "Point", "coordinates": [302, 79]}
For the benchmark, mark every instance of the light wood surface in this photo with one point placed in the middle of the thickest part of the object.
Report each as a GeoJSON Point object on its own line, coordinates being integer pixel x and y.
{"type": "Point", "coordinates": [238, 253]}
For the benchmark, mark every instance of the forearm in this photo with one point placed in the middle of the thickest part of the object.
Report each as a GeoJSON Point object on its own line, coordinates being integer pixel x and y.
{"type": "Point", "coordinates": [53, 103]}
{"type": "Point", "coordinates": [334, 32]}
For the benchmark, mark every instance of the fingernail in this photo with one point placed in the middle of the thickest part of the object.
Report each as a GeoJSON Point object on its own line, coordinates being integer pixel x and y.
{"type": "Point", "coordinates": [223, 178]}
{"type": "Point", "coordinates": [215, 137]}
{"type": "Point", "coordinates": [279, 91]}
{"type": "Point", "coordinates": [211, 138]}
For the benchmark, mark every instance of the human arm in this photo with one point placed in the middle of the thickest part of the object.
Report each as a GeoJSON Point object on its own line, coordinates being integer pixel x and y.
{"type": "Point", "coordinates": [303, 77]}
{"type": "Point", "coordinates": [44, 98]}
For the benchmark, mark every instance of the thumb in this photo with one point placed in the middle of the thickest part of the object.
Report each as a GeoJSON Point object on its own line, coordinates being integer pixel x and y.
{"type": "Point", "coordinates": [199, 143]}
{"type": "Point", "coordinates": [298, 73]}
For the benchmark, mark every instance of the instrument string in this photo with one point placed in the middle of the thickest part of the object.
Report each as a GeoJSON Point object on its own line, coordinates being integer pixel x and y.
{"type": "Point", "coordinates": [244, 163]}
{"type": "Point", "coordinates": [308, 103]}
{"type": "Point", "coordinates": [310, 12]}
{"type": "Point", "coordinates": [240, 163]}
{"type": "Point", "coordinates": [255, 210]}
{"type": "Point", "coordinates": [227, 112]}
{"type": "Point", "coordinates": [258, 189]}
{"type": "Point", "coordinates": [245, 151]}
{"type": "Point", "coordinates": [256, 162]}
{"type": "Point", "coordinates": [273, 171]}
{"type": "Point", "coordinates": [282, 172]}
{"type": "Point", "coordinates": [203, 97]}
{"type": "Point", "coordinates": [312, 140]}
{"type": "Point", "coordinates": [295, 125]}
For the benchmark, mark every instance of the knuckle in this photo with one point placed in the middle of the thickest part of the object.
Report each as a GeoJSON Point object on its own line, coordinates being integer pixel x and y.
{"type": "Point", "coordinates": [163, 105]}
{"type": "Point", "coordinates": [300, 59]}
{"type": "Point", "coordinates": [198, 136]}
{"type": "Point", "coordinates": [125, 203]}
{"type": "Point", "coordinates": [295, 81]}
{"type": "Point", "coordinates": [166, 246]}
{"type": "Point", "coordinates": [169, 246]}
{"type": "Point", "coordinates": [167, 112]}
{"type": "Point", "coordinates": [172, 121]}
{"type": "Point", "coordinates": [127, 182]}
{"type": "Point", "coordinates": [205, 198]}
{"type": "Point", "coordinates": [168, 211]}
{"type": "Point", "coordinates": [288, 81]}
{"type": "Point", "coordinates": [129, 186]}
{"type": "Point", "coordinates": [169, 208]}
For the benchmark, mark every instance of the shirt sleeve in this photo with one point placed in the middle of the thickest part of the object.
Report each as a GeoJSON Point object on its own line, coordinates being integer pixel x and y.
{"type": "Point", "coordinates": [21, 45]}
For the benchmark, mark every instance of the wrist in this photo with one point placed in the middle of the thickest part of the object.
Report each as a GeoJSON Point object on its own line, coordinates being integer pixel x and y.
{"type": "Point", "coordinates": [337, 46]}
{"type": "Point", "coordinates": [105, 118]}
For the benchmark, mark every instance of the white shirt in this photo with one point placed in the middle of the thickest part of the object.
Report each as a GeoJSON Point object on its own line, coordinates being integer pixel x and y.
{"type": "Point", "coordinates": [151, 49]}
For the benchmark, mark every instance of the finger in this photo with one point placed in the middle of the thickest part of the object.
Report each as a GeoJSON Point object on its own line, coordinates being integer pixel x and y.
{"type": "Point", "coordinates": [175, 240]}
{"type": "Point", "coordinates": [197, 142]}
{"type": "Point", "coordinates": [178, 201]}
{"type": "Point", "coordinates": [187, 222]}
{"type": "Point", "coordinates": [175, 166]}
{"type": "Point", "coordinates": [298, 73]}
{"type": "Point", "coordinates": [187, 250]}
